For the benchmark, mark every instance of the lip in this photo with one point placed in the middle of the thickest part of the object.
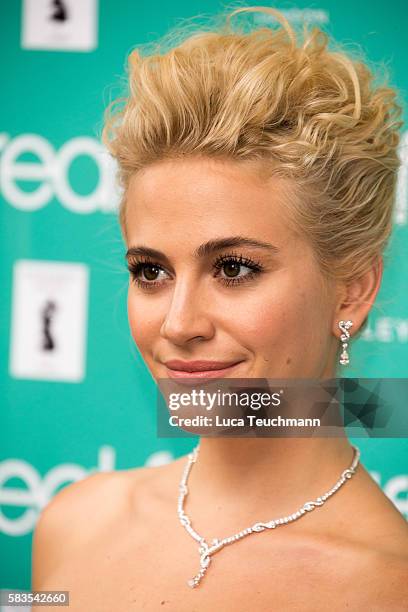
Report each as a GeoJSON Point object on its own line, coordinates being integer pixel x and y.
{"type": "Point", "coordinates": [198, 369]}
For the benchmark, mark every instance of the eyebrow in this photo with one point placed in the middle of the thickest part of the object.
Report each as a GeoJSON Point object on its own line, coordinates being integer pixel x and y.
{"type": "Point", "coordinates": [207, 248]}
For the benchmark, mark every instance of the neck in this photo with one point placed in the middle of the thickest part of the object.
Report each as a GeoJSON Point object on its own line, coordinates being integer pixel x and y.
{"type": "Point", "coordinates": [277, 474]}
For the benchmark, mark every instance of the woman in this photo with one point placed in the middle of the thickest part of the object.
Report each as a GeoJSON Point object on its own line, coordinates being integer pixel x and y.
{"type": "Point", "coordinates": [258, 171]}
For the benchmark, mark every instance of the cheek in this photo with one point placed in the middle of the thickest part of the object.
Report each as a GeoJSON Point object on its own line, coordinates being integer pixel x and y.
{"type": "Point", "coordinates": [276, 307]}
{"type": "Point", "coordinates": [259, 320]}
{"type": "Point", "coordinates": [141, 325]}
{"type": "Point", "coordinates": [288, 327]}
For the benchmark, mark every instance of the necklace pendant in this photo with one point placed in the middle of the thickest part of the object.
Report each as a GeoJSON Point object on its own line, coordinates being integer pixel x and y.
{"type": "Point", "coordinates": [204, 563]}
{"type": "Point", "coordinates": [194, 582]}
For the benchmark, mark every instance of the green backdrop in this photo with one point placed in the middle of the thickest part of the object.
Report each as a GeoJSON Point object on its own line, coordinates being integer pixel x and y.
{"type": "Point", "coordinates": [95, 408]}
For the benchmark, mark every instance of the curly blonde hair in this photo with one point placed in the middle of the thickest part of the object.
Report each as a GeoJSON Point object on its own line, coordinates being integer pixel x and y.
{"type": "Point", "coordinates": [276, 96]}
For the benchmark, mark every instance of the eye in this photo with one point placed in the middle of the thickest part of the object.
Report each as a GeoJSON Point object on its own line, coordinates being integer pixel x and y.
{"type": "Point", "coordinates": [149, 269]}
{"type": "Point", "coordinates": [232, 265]}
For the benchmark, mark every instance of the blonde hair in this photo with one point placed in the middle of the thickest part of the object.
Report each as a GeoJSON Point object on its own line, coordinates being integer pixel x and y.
{"type": "Point", "coordinates": [279, 97]}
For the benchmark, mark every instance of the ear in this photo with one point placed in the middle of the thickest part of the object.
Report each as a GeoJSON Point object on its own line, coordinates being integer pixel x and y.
{"type": "Point", "coordinates": [357, 297]}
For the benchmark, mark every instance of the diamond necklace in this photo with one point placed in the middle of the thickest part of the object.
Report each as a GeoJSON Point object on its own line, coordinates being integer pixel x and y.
{"type": "Point", "coordinates": [206, 550]}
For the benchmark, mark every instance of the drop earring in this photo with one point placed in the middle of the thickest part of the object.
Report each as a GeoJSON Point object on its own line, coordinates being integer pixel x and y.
{"type": "Point", "coordinates": [345, 326]}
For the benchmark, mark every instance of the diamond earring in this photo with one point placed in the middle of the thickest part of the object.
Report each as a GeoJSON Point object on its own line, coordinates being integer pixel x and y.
{"type": "Point", "coordinates": [345, 326]}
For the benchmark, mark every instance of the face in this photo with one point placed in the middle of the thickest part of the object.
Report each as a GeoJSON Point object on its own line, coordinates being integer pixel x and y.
{"type": "Point", "coordinates": [260, 306]}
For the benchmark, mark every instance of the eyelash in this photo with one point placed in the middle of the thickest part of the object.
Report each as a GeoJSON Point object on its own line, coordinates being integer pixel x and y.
{"type": "Point", "coordinates": [137, 266]}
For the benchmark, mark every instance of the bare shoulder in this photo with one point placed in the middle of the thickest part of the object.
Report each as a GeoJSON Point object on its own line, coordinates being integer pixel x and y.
{"type": "Point", "coordinates": [382, 526]}
{"type": "Point", "coordinates": [376, 547]}
{"type": "Point", "coordinates": [390, 563]}
{"type": "Point", "coordinates": [387, 580]}
{"type": "Point", "coordinates": [359, 554]}
{"type": "Point", "coordinates": [358, 573]}
{"type": "Point", "coordinates": [75, 515]}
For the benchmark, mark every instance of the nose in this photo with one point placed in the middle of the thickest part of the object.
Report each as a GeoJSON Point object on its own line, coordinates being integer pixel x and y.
{"type": "Point", "coordinates": [187, 317]}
